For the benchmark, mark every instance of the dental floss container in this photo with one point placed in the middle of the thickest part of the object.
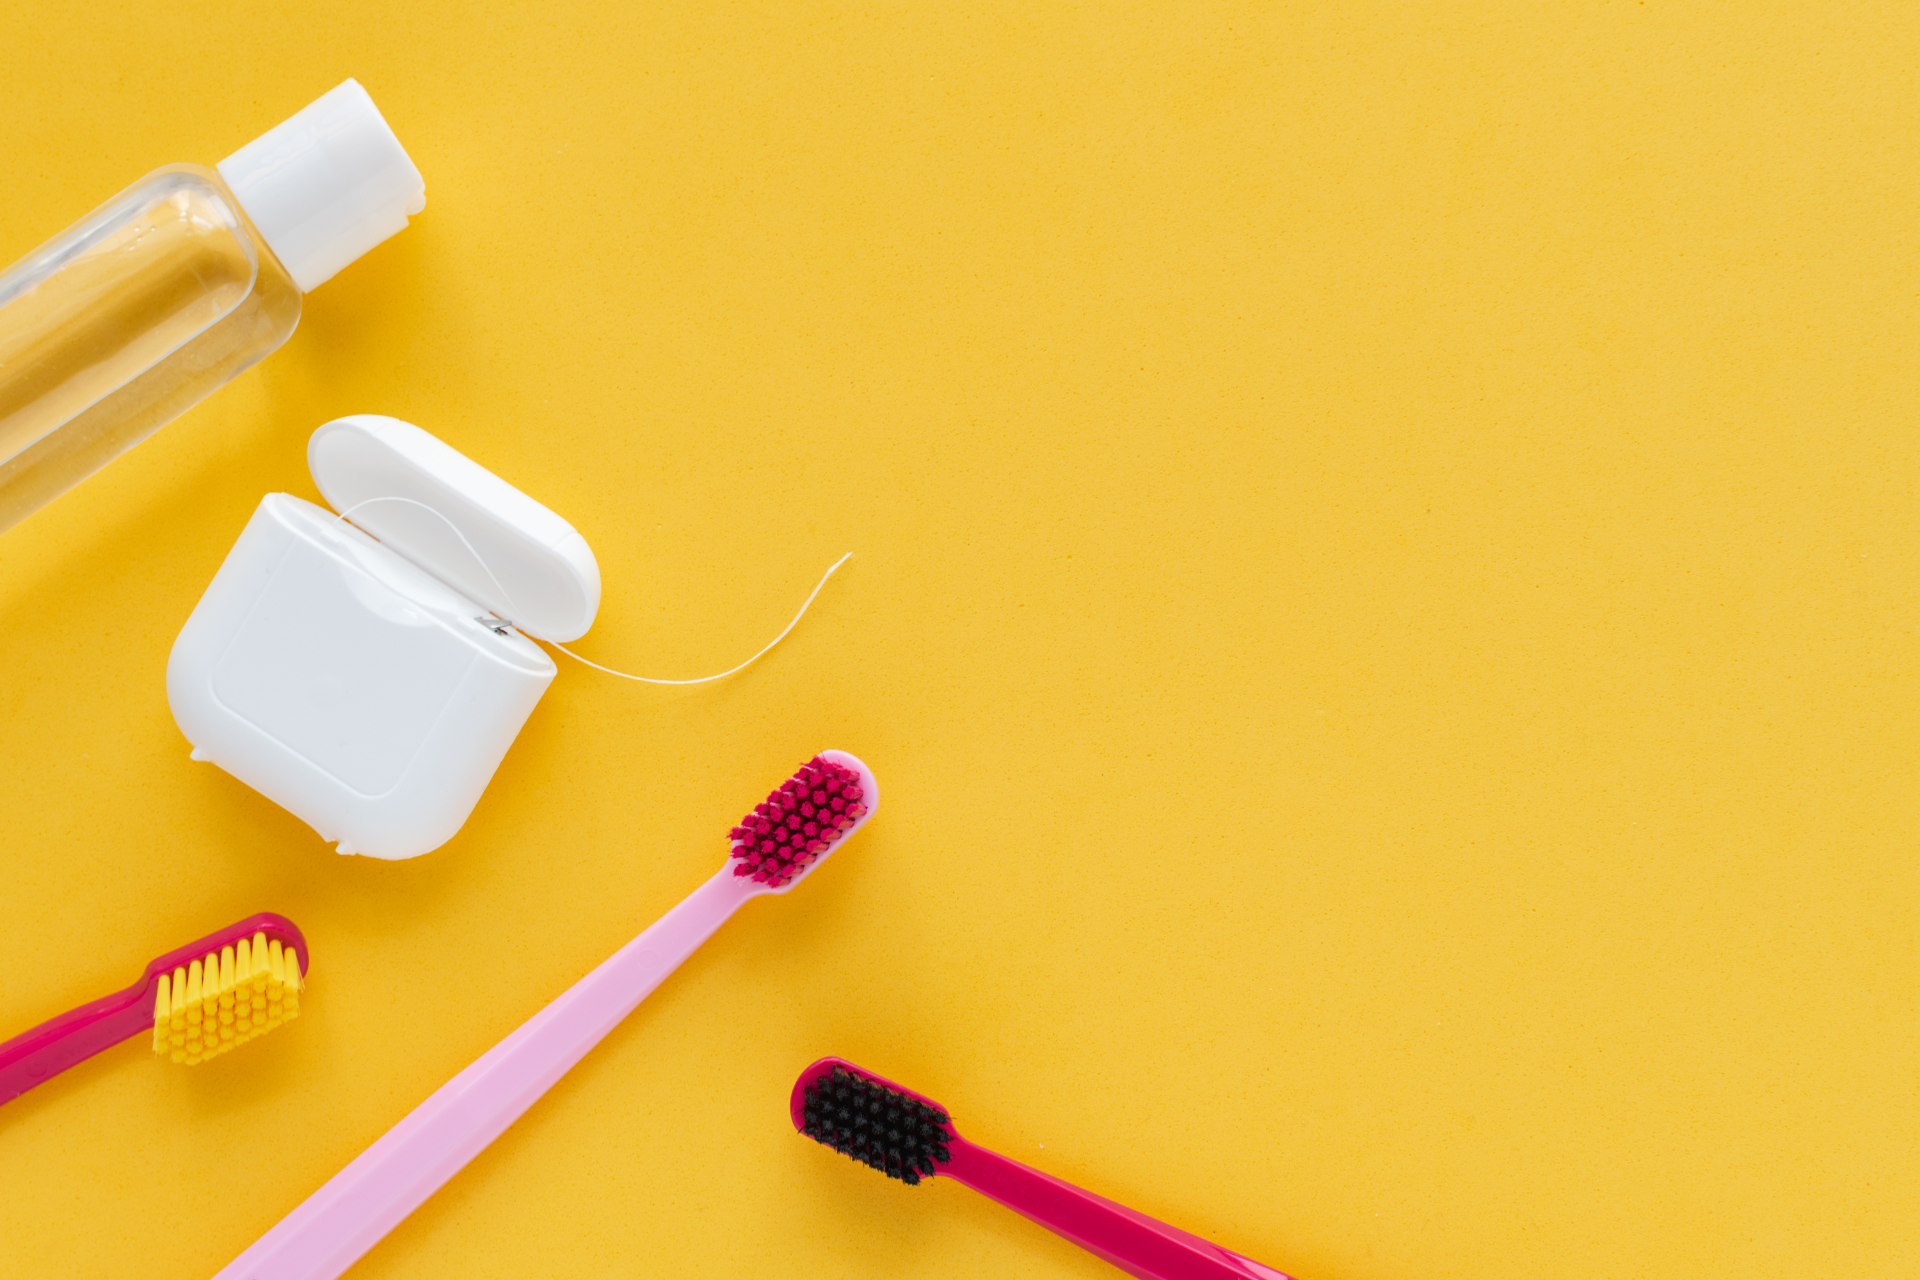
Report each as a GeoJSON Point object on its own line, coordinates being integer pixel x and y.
{"type": "Point", "coordinates": [363, 677]}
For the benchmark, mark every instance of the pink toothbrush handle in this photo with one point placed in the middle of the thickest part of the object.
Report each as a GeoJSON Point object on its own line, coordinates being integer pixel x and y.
{"type": "Point", "coordinates": [360, 1204]}
{"type": "Point", "coordinates": [1131, 1241]}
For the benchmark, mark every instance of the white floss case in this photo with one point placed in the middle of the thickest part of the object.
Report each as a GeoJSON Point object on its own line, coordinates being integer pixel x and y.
{"type": "Point", "coordinates": [362, 682]}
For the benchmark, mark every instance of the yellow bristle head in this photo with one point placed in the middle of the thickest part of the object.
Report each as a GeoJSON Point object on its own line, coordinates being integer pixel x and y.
{"type": "Point", "coordinates": [225, 998]}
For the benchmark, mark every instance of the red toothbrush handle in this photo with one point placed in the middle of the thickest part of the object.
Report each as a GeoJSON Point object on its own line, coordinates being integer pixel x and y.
{"type": "Point", "coordinates": [78, 1034]}
{"type": "Point", "coordinates": [73, 1037]}
{"type": "Point", "coordinates": [1131, 1241]}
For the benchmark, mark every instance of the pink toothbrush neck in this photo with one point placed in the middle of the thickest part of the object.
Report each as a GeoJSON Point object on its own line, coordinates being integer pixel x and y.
{"type": "Point", "coordinates": [1131, 1241]}
{"type": "Point", "coordinates": [73, 1037]}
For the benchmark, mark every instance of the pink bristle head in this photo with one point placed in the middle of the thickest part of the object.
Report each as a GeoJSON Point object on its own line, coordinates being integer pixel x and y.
{"type": "Point", "coordinates": [800, 820]}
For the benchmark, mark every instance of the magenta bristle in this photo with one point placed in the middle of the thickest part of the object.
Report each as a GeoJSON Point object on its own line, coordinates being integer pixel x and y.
{"type": "Point", "coordinates": [798, 822]}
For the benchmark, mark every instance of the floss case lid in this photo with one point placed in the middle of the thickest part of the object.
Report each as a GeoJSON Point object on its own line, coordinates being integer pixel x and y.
{"type": "Point", "coordinates": [544, 578]}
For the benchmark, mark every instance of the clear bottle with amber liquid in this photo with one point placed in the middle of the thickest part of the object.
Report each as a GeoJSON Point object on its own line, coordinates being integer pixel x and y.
{"type": "Point", "coordinates": [142, 309]}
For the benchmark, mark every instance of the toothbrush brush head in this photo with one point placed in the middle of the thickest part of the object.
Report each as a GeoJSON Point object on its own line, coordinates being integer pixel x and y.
{"type": "Point", "coordinates": [872, 1120]}
{"type": "Point", "coordinates": [239, 986]}
{"type": "Point", "coordinates": [803, 819]}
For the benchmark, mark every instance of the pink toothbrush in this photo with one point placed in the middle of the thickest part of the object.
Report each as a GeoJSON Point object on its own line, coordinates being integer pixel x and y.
{"type": "Point", "coordinates": [774, 848]}
{"type": "Point", "coordinates": [909, 1137]}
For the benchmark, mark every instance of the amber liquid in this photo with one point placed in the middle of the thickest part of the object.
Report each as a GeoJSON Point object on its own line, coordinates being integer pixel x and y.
{"type": "Point", "coordinates": [124, 322]}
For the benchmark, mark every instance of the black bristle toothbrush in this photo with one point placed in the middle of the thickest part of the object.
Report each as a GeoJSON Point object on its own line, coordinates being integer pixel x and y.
{"type": "Point", "coordinates": [909, 1137]}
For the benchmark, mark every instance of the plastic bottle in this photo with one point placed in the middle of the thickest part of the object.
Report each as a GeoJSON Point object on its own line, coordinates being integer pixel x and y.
{"type": "Point", "coordinates": [136, 313]}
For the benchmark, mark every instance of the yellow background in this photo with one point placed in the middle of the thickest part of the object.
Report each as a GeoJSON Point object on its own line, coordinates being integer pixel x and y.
{"type": "Point", "coordinates": [1384, 612]}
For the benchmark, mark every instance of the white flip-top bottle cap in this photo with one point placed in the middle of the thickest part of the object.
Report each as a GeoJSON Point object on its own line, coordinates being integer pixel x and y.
{"type": "Point", "coordinates": [327, 185]}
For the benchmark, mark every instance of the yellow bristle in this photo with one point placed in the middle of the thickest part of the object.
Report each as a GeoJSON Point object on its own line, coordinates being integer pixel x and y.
{"type": "Point", "coordinates": [225, 999]}
{"type": "Point", "coordinates": [177, 1019]}
{"type": "Point", "coordinates": [277, 989]}
{"type": "Point", "coordinates": [162, 1007]}
{"type": "Point", "coordinates": [193, 993]}
{"type": "Point", "coordinates": [262, 974]}
{"type": "Point", "coordinates": [226, 992]}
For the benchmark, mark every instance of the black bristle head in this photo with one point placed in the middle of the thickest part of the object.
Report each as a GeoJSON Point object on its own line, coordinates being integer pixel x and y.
{"type": "Point", "coordinates": [902, 1137]}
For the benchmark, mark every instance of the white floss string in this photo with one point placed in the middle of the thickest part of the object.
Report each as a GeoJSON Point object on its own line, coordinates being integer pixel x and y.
{"type": "Point", "coordinates": [508, 597]}
{"type": "Point", "coordinates": [804, 605]}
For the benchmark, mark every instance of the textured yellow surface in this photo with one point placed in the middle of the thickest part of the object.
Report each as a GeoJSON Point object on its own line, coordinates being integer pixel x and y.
{"type": "Point", "coordinates": [1384, 613]}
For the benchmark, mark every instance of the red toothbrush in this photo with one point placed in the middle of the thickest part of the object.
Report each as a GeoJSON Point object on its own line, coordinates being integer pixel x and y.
{"type": "Point", "coordinates": [909, 1137]}
{"type": "Point", "coordinates": [198, 1001]}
